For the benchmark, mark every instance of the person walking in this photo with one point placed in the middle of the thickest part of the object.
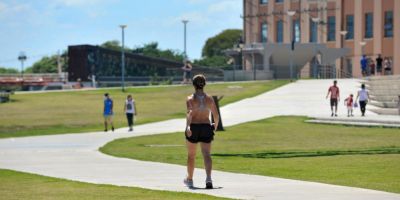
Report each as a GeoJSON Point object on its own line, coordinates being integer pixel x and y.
{"type": "Point", "coordinates": [364, 97]}
{"type": "Point", "coordinates": [130, 110]}
{"type": "Point", "coordinates": [372, 67]}
{"type": "Point", "coordinates": [108, 112]}
{"type": "Point", "coordinates": [379, 61]}
{"type": "Point", "coordinates": [348, 102]}
{"type": "Point", "coordinates": [364, 64]}
{"type": "Point", "coordinates": [335, 97]}
{"type": "Point", "coordinates": [199, 129]}
{"type": "Point", "coordinates": [187, 72]}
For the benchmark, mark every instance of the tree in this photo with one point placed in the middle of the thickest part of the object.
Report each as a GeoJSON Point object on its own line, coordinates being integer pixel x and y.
{"type": "Point", "coordinates": [151, 49]}
{"type": "Point", "coordinates": [4, 70]}
{"type": "Point", "coordinates": [114, 45]}
{"type": "Point", "coordinates": [48, 64]}
{"type": "Point", "coordinates": [216, 45]}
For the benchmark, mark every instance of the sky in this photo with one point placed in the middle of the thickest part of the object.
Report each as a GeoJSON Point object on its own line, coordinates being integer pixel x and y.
{"type": "Point", "coordinates": [44, 27]}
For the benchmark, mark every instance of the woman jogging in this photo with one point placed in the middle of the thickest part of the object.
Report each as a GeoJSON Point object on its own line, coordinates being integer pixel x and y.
{"type": "Point", "coordinates": [199, 129]}
{"type": "Point", "coordinates": [130, 110]}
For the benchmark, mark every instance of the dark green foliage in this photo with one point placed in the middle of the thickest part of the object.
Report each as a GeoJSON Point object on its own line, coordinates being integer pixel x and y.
{"type": "Point", "coordinates": [4, 70]}
{"type": "Point", "coordinates": [216, 45]}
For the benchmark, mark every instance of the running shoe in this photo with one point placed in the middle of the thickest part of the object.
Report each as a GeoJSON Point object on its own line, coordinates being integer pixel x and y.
{"type": "Point", "coordinates": [112, 128]}
{"type": "Point", "coordinates": [209, 184]}
{"type": "Point", "coordinates": [105, 130]}
{"type": "Point", "coordinates": [188, 182]}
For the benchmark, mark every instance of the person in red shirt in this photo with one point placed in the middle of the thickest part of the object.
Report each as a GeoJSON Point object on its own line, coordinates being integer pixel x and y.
{"type": "Point", "coordinates": [335, 97]}
{"type": "Point", "coordinates": [348, 102]}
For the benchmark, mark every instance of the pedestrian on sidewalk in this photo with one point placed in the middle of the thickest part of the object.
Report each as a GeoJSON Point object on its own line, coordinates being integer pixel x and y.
{"type": "Point", "coordinates": [364, 64]}
{"type": "Point", "coordinates": [108, 112]}
{"type": "Point", "coordinates": [199, 129]}
{"type": "Point", "coordinates": [379, 61]}
{"type": "Point", "coordinates": [348, 102]}
{"type": "Point", "coordinates": [335, 97]}
{"type": "Point", "coordinates": [364, 98]}
{"type": "Point", "coordinates": [130, 111]}
{"type": "Point", "coordinates": [187, 72]}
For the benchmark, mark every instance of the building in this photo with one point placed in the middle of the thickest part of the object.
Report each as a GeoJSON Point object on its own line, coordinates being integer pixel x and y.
{"type": "Point", "coordinates": [329, 35]}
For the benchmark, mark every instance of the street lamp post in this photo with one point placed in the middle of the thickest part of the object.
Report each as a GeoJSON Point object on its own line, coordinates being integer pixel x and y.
{"type": "Point", "coordinates": [291, 14]}
{"type": "Point", "coordinates": [316, 21]}
{"type": "Point", "coordinates": [184, 37]}
{"type": "Point", "coordinates": [240, 46]}
{"type": "Point", "coordinates": [343, 34]}
{"type": "Point", "coordinates": [123, 57]}
{"type": "Point", "coordinates": [22, 57]}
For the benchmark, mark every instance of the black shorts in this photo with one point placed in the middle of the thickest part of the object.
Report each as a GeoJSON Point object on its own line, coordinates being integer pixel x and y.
{"type": "Point", "coordinates": [333, 102]}
{"type": "Point", "coordinates": [201, 133]}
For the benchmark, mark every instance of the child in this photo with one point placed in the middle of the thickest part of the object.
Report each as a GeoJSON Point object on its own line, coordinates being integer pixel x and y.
{"type": "Point", "coordinates": [349, 103]}
{"type": "Point", "coordinates": [130, 110]}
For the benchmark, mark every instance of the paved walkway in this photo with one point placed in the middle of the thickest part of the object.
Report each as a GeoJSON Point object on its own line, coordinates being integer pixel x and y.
{"type": "Point", "coordinates": [76, 156]}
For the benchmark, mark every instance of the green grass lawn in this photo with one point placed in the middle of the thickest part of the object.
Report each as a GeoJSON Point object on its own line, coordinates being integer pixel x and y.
{"type": "Point", "coordinates": [18, 185]}
{"type": "Point", "coordinates": [287, 147]}
{"type": "Point", "coordinates": [81, 111]}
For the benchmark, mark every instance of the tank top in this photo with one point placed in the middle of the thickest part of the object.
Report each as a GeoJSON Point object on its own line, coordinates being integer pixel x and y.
{"type": "Point", "coordinates": [130, 106]}
{"type": "Point", "coordinates": [363, 95]}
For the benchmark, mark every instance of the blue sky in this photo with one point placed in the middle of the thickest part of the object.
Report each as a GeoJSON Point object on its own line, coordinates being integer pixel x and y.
{"type": "Point", "coordinates": [42, 27]}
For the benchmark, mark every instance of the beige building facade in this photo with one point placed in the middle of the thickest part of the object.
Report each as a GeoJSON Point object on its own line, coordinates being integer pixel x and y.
{"type": "Point", "coordinates": [369, 27]}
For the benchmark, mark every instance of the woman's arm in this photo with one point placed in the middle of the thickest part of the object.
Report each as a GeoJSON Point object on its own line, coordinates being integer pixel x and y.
{"type": "Point", "coordinates": [214, 112]}
{"type": "Point", "coordinates": [188, 117]}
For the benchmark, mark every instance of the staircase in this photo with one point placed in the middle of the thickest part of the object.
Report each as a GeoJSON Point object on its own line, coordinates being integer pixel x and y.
{"type": "Point", "coordinates": [384, 92]}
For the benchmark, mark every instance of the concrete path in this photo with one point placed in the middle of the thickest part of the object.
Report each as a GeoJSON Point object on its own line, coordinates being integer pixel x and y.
{"type": "Point", "coordinates": [76, 156]}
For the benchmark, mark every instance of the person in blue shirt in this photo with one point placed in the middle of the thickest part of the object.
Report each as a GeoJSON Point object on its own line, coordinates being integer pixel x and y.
{"type": "Point", "coordinates": [108, 112]}
{"type": "Point", "coordinates": [364, 64]}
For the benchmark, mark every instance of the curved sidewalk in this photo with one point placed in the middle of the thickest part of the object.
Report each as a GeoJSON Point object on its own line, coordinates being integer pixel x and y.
{"type": "Point", "coordinates": [76, 156]}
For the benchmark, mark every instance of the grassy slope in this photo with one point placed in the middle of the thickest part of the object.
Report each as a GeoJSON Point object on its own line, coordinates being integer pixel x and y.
{"type": "Point", "coordinates": [18, 185]}
{"type": "Point", "coordinates": [247, 148]}
{"type": "Point", "coordinates": [81, 111]}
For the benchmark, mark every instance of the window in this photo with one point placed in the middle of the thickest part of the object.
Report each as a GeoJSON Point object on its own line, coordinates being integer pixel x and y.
{"type": "Point", "coordinates": [296, 30]}
{"type": "Point", "coordinates": [264, 32]}
{"type": "Point", "coordinates": [263, 1]}
{"type": "Point", "coordinates": [369, 26]}
{"type": "Point", "coordinates": [388, 24]}
{"type": "Point", "coordinates": [313, 31]}
{"type": "Point", "coordinates": [331, 28]}
{"type": "Point", "coordinates": [350, 27]}
{"type": "Point", "coordinates": [278, 1]}
{"type": "Point", "coordinates": [279, 31]}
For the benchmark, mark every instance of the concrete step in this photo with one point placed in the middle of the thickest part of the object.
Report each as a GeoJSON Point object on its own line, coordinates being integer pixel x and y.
{"type": "Point", "coordinates": [363, 124]}
{"type": "Point", "coordinates": [357, 121]}
{"type": "Point", "coordinates": [383, 83]}
{"type": "Point", "coordinates": [385, 98]}
{"type": "Point", "coordinates": [385, 111]}
{"type": "Point", "coordinates": [379, 78]}
{"type": "Point", "coordinates": [385, 92]}
{"type": "Point", "coordinates": [384, 104]}
{"type": "Point", "coordinates": [384, 87]}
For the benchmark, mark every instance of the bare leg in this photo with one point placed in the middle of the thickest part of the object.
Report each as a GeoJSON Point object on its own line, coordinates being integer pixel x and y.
{"type": "Point", "coordinates": [191, 147]}
{"type": "Point", "coordinates": [105, 124]}
{"type": "Point", "coordinates": [206, 151]}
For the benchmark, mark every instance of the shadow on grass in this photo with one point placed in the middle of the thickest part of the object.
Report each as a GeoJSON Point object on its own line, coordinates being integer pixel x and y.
{"type": "Point", "coordinates": [296, 154]}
